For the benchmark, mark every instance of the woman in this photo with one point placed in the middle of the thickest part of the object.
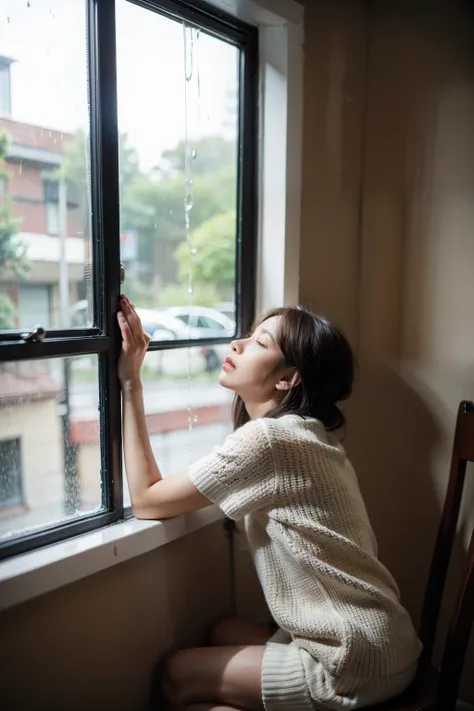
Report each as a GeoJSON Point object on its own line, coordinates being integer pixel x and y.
{"type": "Point", "coordinates": [344, 640]}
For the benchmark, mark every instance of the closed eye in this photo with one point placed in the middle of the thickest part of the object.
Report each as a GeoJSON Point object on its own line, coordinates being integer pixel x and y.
{"type": "Point", "coordinates": [260, 343]}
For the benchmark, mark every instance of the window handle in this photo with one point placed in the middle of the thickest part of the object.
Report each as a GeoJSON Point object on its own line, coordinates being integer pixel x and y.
{"type": "Point", "coordinates": [122, 273]}
{"type": "Point", "coordinates": [35, 335]}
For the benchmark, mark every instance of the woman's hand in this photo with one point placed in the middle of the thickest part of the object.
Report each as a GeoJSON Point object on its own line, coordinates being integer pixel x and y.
{"type": "Point", "coordinates": [134, 345]}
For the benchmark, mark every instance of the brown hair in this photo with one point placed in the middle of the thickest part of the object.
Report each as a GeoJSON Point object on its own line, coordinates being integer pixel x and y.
{"type": "Point", "coordinates": [321, 355]}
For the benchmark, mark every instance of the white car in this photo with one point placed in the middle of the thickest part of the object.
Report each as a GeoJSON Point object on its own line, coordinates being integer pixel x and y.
{"type": "Point", "coordinates": [204, 322]}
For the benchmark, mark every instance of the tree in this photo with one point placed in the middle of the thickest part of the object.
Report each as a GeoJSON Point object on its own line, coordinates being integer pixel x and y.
{"type": "Point", "coordinates": [214, 259]}
{"type": "Point", "coordinates": [208, 156]}
{"type": "Point", "coordinates": [74, 170]}
{"type": "Point", "coordinates": [154, 208]}
{"type": "Point", "coordinates": [152, 205]}
{"type": "Point", "coordinates": [12, 252]}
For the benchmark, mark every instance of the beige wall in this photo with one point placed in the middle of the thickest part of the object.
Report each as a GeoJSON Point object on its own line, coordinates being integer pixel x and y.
{"type": "Point", "coordinates": [387, 249]}
{"type": "Point", "coordinates": [92, 645]}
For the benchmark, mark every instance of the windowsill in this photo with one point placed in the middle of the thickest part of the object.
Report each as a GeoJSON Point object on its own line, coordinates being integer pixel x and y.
{"type": "Point", "coordinates": [31, 574]}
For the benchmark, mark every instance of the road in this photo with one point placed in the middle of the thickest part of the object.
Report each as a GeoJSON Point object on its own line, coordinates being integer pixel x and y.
{"type": "Point", "coordinates": [160, 396]}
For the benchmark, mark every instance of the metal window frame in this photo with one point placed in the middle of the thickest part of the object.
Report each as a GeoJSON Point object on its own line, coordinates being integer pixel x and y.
{"type": "Point", "coordinates": [103, 340]}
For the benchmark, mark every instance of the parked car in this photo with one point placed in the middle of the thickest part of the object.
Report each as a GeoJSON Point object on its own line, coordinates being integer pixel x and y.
{"type": "Point", "coordinates": [204, 322]}
{"type": "Point", "coordinates": [153, 321]}
{"type": "Point", "coordinates": [160, 326]}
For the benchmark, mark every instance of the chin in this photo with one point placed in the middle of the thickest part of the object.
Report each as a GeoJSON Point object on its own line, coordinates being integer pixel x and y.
{"type": "Point", "coordinates": [223, 380]}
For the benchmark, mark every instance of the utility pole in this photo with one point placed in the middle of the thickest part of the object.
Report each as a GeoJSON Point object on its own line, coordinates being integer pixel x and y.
{"type": "Point", "coordinates": [72, 491]}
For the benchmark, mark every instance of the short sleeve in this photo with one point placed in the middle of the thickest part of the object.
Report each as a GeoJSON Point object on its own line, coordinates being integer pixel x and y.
{"type": "Point", "coordinates": [238, 476]}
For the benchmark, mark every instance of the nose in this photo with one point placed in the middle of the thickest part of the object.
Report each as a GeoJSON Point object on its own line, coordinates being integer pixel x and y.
{"type": "Point", "coordinates": [236, 346]}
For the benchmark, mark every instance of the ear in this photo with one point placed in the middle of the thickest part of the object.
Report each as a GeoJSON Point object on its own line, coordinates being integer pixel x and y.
{"type": "Point", "coordinates": [290, 380]}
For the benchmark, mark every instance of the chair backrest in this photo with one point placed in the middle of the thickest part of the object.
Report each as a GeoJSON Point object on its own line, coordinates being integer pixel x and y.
{"type": "Point", "coordinates": [462, 618]}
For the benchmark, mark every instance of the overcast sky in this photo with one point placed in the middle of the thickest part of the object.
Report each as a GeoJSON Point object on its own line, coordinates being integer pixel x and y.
{"type": "Point", "coordinates": [49, 79]}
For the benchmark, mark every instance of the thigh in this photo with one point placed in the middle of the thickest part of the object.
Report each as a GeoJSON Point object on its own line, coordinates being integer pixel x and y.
{"type": "Point", "coordinates": [216, 675]}
{"type": "Point", "coordinates": [235, 632]}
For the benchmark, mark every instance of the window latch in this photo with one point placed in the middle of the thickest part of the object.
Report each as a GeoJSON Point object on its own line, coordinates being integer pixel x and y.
{"type": "Point", "coordinates": [35, 335]}
{"type": "Point", "coordinates": [122, 273]}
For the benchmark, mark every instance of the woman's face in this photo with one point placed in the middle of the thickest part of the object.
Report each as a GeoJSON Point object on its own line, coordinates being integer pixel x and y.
{"type": "Point", "coordinates": [254, 368]}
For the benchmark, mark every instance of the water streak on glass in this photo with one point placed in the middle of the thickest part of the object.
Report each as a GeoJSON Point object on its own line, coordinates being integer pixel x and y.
{"type": "Point", "coordinates": [191, 76]}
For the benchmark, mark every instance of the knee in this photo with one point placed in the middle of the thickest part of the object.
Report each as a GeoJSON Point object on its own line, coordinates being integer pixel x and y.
{"type": "Point", "coordinates": [224, 633]}
{"type": "Point", "coordinates": [175, 678]}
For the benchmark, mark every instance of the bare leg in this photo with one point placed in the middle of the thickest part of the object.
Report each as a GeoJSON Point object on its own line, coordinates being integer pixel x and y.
{"type": "Point", "coordinates": [211, 707]}
{"type": "Point", "coordinates": [234, 632]}
{"type": "Point", "coordinates": [215, 675]}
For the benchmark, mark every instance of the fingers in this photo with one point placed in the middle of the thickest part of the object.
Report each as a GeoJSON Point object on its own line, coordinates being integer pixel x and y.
{"type": "Point", "coordinates": [135, 328]}
{"type": "Point", "coordinates": [131, 316]}
{"type": "Point", "coordinates": [127, 339]}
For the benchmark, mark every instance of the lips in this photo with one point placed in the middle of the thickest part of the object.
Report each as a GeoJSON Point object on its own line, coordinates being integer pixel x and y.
{"type": "Point", "coordinates": [228, 364]}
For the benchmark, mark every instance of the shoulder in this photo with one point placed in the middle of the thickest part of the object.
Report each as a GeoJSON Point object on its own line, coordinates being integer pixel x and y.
{"type": "Point", "coordinates": [302, 436]}
{"type": "Point", "coordinates": [250, 441]}
{"type": "Point", "coordinates": [289, 428]}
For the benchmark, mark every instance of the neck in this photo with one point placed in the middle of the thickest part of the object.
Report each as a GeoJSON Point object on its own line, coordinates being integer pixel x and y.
{"type": "Point", "coordinates": [258, 409]}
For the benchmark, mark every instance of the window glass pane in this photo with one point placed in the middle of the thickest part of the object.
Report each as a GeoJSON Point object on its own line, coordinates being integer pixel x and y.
{"type": "Point", "coordinates": [49, 443]}
{"type": "Point", "coordinates": [187, 411]}
{"type": "Point", "coordinates": [44, 155]}
{"type": "Point", "coordinates": [178, 165]}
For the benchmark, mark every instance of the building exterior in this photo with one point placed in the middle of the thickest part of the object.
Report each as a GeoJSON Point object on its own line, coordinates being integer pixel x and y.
{"type": "Point", "coordinates": [31, 182]}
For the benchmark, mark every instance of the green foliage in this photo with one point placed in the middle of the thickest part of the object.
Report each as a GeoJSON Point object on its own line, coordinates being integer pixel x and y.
{"type": "Point", "coordinates": [152, 205]}
{"type": "Point", "coordinates": [214, 259]}
{"type": "Point", "coordinates": [177, 295]}
{"type": "Point", "coordinates": [7, 313]}
{"type": "Point", "coordinates": [211, 155]}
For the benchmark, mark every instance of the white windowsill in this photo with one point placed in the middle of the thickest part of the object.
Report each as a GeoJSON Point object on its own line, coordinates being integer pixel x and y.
{"type": "Point", "coordinates": [31, 574]}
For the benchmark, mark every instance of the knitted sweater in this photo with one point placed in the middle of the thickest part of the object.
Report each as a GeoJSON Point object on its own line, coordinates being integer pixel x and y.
{"type": "Point", "coordinates": [313, 547]}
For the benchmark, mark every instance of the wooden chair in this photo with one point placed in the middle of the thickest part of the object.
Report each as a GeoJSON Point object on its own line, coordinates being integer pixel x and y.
{"type": "Point", "coordinates": [435, 689]}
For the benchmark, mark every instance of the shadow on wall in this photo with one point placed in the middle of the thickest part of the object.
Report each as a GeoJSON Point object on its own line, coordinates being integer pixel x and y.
{"type": "Point", "coordinates": [400, 437]}
{"type": "Point", "coordinates": [392, 436]}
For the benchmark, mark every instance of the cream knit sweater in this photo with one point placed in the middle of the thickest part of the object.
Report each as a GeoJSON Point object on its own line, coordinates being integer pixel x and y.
{"type": "Point", "coordinates": [313, 548]}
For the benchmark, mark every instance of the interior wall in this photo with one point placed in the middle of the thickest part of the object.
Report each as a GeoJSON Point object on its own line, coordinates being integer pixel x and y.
{"type": "Point", "coordinates": [387, 251]}
{"type": "Point", "coordinates": [93, 644]}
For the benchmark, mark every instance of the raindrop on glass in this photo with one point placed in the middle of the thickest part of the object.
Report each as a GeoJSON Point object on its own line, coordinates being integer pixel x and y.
{"type": "Point", "coordinates": [188, 201]}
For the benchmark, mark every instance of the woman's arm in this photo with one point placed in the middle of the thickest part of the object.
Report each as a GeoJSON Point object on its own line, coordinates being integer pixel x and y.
{"type": "Point", "coordinates": [152, 496]}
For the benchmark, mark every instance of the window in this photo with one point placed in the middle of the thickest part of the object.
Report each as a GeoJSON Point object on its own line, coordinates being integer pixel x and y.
{"type": "Point", "coordinates": [34, 305]}
{"type": "Point", "coordinates": [5, 90]}
{"type": "Point", "coordinates": [11, 489]}
{"type": "Point", "coordinates": [52, 218]}
{"type": "Point", "coordinates": [106, 175]}
{"type": "Point", "coordinates": [51, 201]}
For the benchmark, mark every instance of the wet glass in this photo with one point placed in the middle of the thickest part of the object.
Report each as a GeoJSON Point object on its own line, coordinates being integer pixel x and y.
{"type": "Point", "coordinates": [49, 443]}
{"type": "Point", "coordinates": [187, 411]}
{"type": "Point", "coordinates": [178, 93]}
{"type": "Point", "coordinates": [45, 252]}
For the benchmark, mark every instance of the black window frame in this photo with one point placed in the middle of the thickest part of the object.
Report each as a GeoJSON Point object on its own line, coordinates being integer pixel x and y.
{"type": "Point", "coordinates": [103, 339]}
